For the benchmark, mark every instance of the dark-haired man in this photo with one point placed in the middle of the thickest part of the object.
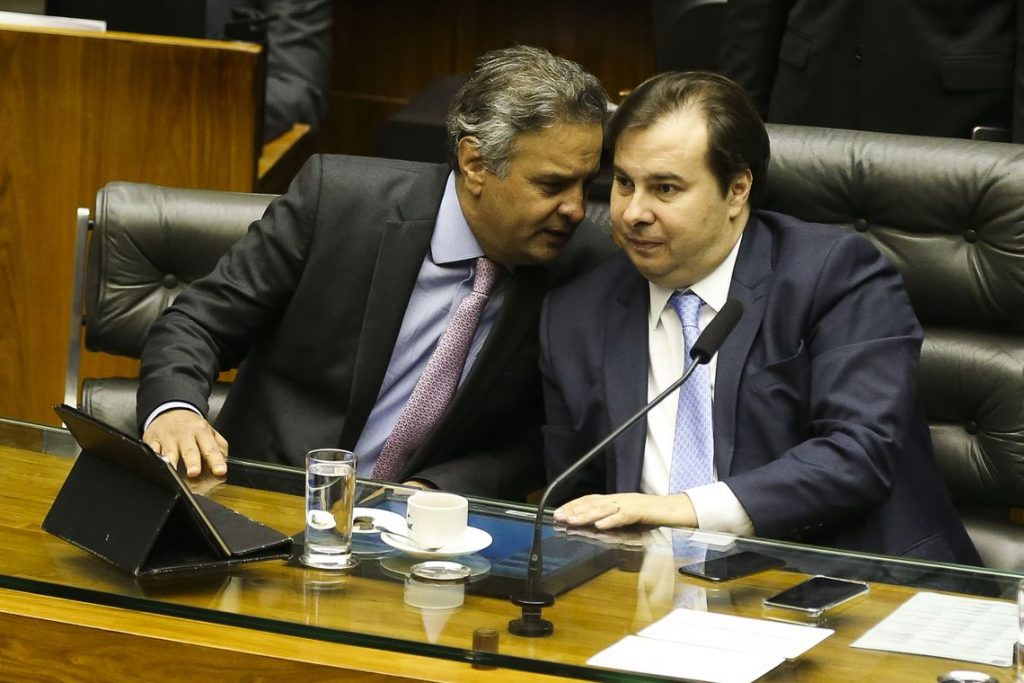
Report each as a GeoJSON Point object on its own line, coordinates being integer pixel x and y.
{"type": "Point", "coordinates": [806, 425]}
{"type": "Point", "coordinates": [390, 307]}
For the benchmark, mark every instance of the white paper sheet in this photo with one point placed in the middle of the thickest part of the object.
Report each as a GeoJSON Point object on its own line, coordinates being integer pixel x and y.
{"type": "Point", "coordinates": [708, 646]}
{"type": "Point", "coordinates": [45, 21]}
{"type": "Point", "coordinates": [663, 658]}
{"type": "Point", "coordinates": [949, 626]}
{"type": "Point", "coordinates": [724, 631]}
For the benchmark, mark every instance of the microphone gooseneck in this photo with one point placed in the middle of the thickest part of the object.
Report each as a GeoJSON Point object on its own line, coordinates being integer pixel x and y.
{"type": "Point", "coordinates": [531, 624]}
{"type": "Point", "coordinates": [718, 329]}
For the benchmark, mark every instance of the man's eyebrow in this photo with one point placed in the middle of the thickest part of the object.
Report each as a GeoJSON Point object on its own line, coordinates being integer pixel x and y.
{"type": "Point", "coordinates": [652, 177]}
{"type": "Point", "coordinates": [553, 178]}
{"type": "Point", "coordinates": [663, 177]}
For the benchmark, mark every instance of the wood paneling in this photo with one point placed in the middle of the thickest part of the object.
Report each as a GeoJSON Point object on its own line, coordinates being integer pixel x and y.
{"type": "Point", "coordinates": [393, 49]}
{"type": "Point", "coordinates": [78, 110]}
{"type": "Point", "coordinates": [384, 53]}
{"type": "Point", "coordinates": [282, 158]}
{"type": "Point", "coordinates": [612, 40]}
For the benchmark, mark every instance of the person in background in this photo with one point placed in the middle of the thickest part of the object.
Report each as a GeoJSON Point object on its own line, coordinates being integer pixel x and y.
{"type": "Point", "coordinates": [950, 69]}
{"type": "Point", "coordinates": [390, 307]}
{"type": "Point", "coordinates": [806, 425]}
{"type": "Point", "coordinates": [298, 36]}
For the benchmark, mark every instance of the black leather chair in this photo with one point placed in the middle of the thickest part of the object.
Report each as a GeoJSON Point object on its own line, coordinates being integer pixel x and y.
{"type": "Point", "coordinates": [950, 215]}
{"type": "Point", "coordinates": [145, 244]}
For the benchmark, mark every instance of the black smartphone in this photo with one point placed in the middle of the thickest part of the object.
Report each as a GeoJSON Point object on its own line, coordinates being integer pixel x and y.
{"type": "Point", "coordinates": [817, 594]}
{"type": "Point", "coordinates": [731, 566]}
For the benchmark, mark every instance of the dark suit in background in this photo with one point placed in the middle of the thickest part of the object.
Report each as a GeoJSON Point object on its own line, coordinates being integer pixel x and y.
{"type": "Point", "coordinates": [816, 427]}
{"type": "Point", "coordinates": [898, 66]}
{"type": "Point", "coordinates": [298, 56]}
{"type": "Point", "coordinates": [313, 298]}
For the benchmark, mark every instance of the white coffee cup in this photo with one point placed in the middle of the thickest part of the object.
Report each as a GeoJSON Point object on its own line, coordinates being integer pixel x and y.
{"type": "Point", "coordinates": [437, 519]}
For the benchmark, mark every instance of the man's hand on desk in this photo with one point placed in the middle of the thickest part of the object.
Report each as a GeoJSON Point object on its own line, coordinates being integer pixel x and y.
{"type": "Point", "coordinates": [182, 434]}
{"type": "Point", "coordinates": [623, 509]}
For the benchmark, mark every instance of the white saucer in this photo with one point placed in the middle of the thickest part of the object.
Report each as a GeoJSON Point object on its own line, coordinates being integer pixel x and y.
{"type": "Point", "coordinates": [383, 518]}
{"type": "Point", "coordinates": [473, 541]}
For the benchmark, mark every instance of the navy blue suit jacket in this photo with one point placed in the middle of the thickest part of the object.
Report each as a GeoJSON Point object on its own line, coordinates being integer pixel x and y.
{"type": "Point", "coordinates": [817, 428]}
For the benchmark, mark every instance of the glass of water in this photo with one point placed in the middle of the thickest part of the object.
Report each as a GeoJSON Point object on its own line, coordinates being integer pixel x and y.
{"type": "Point", "coordinates": [330, 492]}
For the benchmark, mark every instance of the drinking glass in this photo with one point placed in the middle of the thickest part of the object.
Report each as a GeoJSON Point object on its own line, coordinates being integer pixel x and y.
{"type": "Point", "coordinates": [330, 492]}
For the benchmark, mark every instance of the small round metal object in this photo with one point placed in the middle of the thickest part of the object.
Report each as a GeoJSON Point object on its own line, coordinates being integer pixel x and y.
{"type": "Point", "coordinates": [965, 677]}
{"type": "Point", "coordinates": [485, 640]}
{"type": "Point", "coordinates": [439, 571]}
{"type": "Point", "coordinates": [363, 523]}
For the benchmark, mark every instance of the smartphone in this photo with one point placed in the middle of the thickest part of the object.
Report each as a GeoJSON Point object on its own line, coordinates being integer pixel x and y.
{"type": "Point", "coordinates": [731, 566]}
{"type": "Point", "coordinates": [817, 594]}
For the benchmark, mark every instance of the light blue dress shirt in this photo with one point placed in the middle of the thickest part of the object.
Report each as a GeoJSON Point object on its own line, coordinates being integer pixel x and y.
{"type": "Point", "coordinates": [445, 277]}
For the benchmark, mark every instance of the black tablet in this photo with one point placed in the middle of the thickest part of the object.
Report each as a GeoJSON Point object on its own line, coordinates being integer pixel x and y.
{"type": "Point", "coordinates": [127, 504]}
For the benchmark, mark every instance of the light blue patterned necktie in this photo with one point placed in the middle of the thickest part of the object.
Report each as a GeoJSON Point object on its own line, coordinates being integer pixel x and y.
{"type": "Point", "coordinates": [693, 447]}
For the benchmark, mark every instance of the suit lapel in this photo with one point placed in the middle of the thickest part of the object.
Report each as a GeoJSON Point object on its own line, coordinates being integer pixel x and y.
{"type": "Point", "coordinates": [403, 245]}
{"type": "Point", "coordinates": [750, 280]}
{"type": "Point", "coordinates": [625, 376]}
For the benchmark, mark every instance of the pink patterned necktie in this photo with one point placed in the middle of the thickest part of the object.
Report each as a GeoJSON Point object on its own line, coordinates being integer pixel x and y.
{"type": "Point", "coordinates": [437, 384]}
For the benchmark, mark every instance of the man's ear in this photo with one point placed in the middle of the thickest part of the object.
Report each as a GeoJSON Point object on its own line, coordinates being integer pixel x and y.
{"type": "Point", "coordinates": [739, 192]}
{"type": "Point", "coordinates": [471, 164]}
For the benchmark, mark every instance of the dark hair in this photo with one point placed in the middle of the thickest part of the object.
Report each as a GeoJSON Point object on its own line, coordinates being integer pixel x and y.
{"type": "Point", "coordinates": [517, 90]}
{"type": "Point", "coordinates": [737, 139]}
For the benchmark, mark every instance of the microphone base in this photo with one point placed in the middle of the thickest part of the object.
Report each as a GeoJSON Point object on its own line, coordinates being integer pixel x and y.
{"type": "Point", "coordinates": [531, 624]}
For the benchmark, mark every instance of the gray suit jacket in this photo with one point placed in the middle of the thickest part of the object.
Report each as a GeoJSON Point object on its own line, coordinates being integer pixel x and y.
{"type": "Point", "coordinates": [310, 303]}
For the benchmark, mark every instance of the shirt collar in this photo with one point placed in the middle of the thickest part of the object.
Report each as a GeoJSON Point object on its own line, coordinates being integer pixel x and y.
{"type": "Point", "coordinates": [452, 240]}
{"type": "Point", "coordinates": [713, 289]}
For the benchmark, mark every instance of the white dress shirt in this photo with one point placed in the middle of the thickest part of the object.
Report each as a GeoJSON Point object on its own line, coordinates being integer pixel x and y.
{"type": "Point", "coordinates": [716, 506]}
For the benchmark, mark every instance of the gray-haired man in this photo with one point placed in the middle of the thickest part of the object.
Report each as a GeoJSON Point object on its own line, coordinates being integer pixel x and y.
{"type": "Point", "coordinates": [335, 301]}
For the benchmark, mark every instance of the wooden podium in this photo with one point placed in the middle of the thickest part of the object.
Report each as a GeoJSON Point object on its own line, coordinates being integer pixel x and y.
{"type": "Point", "coordinates": [80, 109]}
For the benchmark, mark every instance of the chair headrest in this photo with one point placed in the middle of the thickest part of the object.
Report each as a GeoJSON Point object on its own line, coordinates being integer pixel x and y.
{"type": "Point", "coordinates": [949, 213]}
{"type": "Point", "coordinates": [147, 244]}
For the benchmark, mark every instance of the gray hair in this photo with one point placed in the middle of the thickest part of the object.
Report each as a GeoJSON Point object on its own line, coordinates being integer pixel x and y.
{"type": "Point", "coordinates": [519, 90]}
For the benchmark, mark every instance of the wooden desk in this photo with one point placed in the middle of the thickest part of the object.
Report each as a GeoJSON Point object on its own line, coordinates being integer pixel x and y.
{"type": "Point", "coordinates": [79, 109]}
{"type": "Point", "coordinates": [282, 158]}
{"type": "Point", "coordinates": [64, 614]}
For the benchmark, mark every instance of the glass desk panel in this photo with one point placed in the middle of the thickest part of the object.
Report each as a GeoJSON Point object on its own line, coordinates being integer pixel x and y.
{"type": "Point", "coordinates": [635, 580]}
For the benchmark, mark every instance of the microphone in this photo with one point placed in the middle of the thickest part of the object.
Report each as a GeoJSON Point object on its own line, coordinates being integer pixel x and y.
{"type": "Point", "coordinates": [531, 624]}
